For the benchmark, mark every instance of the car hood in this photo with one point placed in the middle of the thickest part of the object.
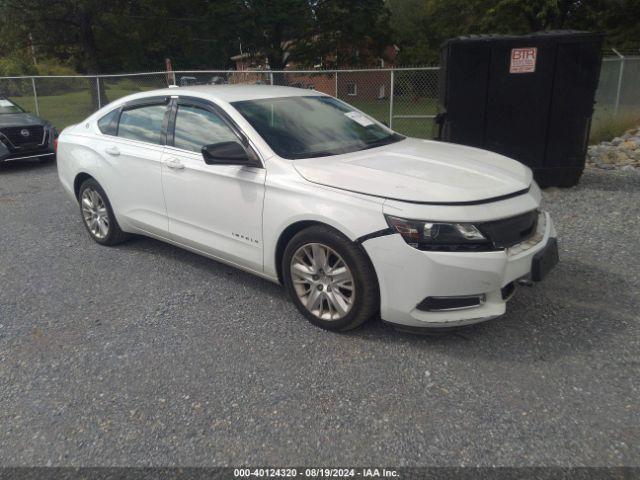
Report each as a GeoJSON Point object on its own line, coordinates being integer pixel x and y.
{"type": "Point", "coordinates": [417, 170]}
{"type": "Point", "coordinates": [20, 120]}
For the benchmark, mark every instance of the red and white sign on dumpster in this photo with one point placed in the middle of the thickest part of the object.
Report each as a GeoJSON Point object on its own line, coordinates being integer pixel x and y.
{"type": "Point", "coordinates": [523, 60]}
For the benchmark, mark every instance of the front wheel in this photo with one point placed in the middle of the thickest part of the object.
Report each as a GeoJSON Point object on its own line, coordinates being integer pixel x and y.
{"type": "Point", "coordinates": [330, 279]}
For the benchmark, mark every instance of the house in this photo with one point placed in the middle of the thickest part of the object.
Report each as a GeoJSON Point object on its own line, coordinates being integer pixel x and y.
{"type": "Point", "coordinates": [350, 83]}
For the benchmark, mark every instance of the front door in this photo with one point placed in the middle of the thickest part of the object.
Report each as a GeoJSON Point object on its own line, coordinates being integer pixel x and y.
{"type": "Point", "coordinates": [213, 208]}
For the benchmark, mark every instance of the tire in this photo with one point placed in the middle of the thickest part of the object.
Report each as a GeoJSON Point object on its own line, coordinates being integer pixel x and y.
{"type": "Point", "coordinates": [305, 280]}
{"type": "Point", "coordinates": [94, 205]}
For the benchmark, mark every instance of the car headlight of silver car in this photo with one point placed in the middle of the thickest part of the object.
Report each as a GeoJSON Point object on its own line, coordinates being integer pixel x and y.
{"type": "Point", "coordinates": [440, 236]}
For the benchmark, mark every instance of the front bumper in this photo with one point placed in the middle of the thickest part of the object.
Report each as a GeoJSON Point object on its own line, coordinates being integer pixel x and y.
{"type": "Point", "coordinates": [9, 152]}
{"type": "Point", "coordinates": [407, 275]}
{"type": "Point", "coordinates": [13, 157]}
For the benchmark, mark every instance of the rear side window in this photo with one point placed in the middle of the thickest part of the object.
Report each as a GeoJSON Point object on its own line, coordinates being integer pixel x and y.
{"type": "Point", "coordinates": [108, 124]}
{"type": "Point", "coordinates": [142, 123]}
{"type": "Point", "coordinates": [197, 127]}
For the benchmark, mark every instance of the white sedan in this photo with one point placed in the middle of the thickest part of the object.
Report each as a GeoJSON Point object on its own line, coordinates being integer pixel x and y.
{"type": "Point", "coordinates": [300, 188]}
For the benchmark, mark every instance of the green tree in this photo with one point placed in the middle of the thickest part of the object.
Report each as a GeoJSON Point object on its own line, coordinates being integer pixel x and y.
{"type": "Point", "coordinates": [356, 32]}
{"type": "Point", "coordinates": [65, 30]}
{"type": "Point", "coordinates": [420, 26]}
{"type": "Point", "coordinates": [308, 32]}
{"type": "Point", "coordinates": [195, 34]}
{"type": "Point", "coordinates": [279, 30]}
{"type": "Point", "coordinates": [619, 19]}
{"type": "Point", "coordinates": [517, 16]}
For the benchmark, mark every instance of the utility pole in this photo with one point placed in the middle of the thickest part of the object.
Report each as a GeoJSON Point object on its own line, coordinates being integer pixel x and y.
{"type": "Point", "coordinates": [33, 50]}
{"type": "Point", "coordinates": [171, 76]}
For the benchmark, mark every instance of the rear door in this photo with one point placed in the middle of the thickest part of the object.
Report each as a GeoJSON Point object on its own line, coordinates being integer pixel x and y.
{"type": "Point", "coordinates": [132, 148]}
{"type": "Point", "coordinates": [213, 208]}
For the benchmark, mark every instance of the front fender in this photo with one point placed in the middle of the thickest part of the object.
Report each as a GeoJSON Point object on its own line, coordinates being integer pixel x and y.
{"type": "Point", "coordinates": [289, 199]}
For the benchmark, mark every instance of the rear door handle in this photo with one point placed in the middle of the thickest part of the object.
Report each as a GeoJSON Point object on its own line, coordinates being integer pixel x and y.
{"type": "Point", "coordinates": [174, 163]}
{"type": "Point", "coordinates": [113, 151]}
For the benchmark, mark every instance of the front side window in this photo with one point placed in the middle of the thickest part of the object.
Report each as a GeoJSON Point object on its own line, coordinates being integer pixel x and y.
{"type": "Point", "coordinates": [7, 106]}
{"type": "Point", "coordinates": [197, 127]}
{"type": "Point", "coordinates": [313, 126]}
{"type": "Point", "coordinates": [142, 123]}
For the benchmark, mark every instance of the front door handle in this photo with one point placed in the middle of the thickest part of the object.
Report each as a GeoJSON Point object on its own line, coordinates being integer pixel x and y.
{"type": "Point", "coordinates": [174, 163]}
{"type": "Point", "coordinates": [115, 151]}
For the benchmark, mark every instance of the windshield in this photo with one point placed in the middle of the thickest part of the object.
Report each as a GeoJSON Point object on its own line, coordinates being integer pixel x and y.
{"type": "Point", "coordinates": [7, 106]}
{"type": "Point", "coordinates": [313, 126]}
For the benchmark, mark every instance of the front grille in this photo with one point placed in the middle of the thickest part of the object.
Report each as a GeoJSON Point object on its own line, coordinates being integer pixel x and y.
{"type": "Point", "coordinates": [24, 136]}
{"type": "Point", "coordinates": [510, 231]}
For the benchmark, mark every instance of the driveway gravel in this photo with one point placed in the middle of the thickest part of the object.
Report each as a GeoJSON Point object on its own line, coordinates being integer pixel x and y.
{"type": "Point", "coordinates": [146, 354]}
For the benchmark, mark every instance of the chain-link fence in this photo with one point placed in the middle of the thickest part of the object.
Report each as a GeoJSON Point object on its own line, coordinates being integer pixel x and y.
{"type": "Point", "coordinates": [406, 99]}
{"type": "Point", "coordinates": [618, 95]}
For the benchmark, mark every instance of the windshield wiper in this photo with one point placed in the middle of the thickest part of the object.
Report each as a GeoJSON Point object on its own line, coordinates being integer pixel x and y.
{"type": "Point", "coordinates": [384, 141]}
{"type": "Point", "coordinates": [351, 148]}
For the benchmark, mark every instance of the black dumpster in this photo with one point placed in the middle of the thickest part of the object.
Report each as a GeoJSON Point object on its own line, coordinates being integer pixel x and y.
{"type": "Point", "coordinates": [527, 97]}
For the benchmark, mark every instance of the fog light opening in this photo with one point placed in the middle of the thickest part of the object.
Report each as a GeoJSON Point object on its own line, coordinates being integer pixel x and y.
{"type": "Point", "coordinates": [441, 304]}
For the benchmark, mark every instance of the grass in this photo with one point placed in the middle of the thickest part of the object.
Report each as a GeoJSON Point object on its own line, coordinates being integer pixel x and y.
{"type": "Point", "coordinates": [605, 125]}
{"type": "Point", "coordinates": [72, 108]}
{"type": "Point", "coordinates": [403, 105]}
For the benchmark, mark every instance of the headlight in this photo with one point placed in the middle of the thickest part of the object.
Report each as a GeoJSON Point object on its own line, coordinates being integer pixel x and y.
{"type": "Point", "coordinates": [425, 235]}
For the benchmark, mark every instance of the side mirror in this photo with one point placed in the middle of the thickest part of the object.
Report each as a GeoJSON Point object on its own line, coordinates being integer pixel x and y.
{"type": "Point", "coordinates": [227, 153]}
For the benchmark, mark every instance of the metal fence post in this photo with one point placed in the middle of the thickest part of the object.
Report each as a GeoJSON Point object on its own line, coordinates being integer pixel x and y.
{"type": "Point", "coordinates": [391, 99]}
{"type": "Point", "coordinates": [98, 89]}
{"type": "Point", "coordinates": [336, 82]}
{"type": "Point", "coordinates": [35, 96]}
{"type": "Point", "coordinates": [620, 73]}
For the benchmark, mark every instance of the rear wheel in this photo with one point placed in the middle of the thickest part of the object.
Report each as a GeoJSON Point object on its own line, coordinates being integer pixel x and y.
{"type": "Point", "coordinates": [97, 214]}
{"type": "Point", "coordinates": [330, 279]}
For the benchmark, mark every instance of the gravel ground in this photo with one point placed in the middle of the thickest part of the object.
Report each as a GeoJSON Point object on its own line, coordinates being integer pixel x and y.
{"type": "Point", "coordinates": [145, 354]}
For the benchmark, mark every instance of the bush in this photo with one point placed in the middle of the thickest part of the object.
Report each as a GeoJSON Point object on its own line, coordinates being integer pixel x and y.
{"type": "Point", "coordinates": [13, 66]}
{"type": "Point", "coordinates": [46, 68]}
{"type": "Point", "coordinates": [58, 86]}
{"type": "Point", "coordinates": [16, 65]}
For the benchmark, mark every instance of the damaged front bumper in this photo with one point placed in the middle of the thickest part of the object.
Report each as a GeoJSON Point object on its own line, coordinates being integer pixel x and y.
{"type": "Point", "coordinates": [471, 287]}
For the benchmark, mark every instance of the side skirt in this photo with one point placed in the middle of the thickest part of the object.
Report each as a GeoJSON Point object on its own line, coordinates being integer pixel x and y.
{"type": "Point", "coordinates": [257, 273]}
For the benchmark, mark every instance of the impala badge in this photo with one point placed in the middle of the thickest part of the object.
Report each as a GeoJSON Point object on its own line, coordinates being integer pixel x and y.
{"type": "Point", "coordinates": [244, 237]}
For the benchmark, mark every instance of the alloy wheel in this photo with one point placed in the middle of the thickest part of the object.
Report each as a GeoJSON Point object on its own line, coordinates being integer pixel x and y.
{"type": "Point", "coordinates": [323, 281]}
{"type": "Point", "coordinates": [94, 213]}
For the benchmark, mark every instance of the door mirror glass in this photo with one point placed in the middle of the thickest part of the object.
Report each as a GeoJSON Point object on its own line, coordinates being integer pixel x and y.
{"type": "Point", "coordinates": [226, 153]}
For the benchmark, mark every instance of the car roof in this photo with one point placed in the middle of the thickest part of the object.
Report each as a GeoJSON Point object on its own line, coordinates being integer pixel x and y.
{"type": "Point", "coordinates": [232, 93]}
